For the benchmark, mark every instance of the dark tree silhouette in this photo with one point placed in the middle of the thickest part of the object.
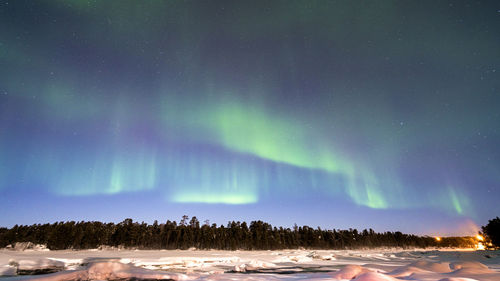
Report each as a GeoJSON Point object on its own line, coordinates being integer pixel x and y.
{"type": "Point", "coordinates": [257, 235]}
{"type": "Point", "coordinates": [492, 231]}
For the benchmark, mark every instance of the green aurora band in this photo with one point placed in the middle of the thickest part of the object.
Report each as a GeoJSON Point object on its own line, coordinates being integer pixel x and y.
{"type": "Point", "coordinates": [349, 101]}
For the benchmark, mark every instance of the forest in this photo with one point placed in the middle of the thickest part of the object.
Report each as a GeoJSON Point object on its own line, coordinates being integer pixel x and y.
{"type": "Point", "coordinates": [190, 233]}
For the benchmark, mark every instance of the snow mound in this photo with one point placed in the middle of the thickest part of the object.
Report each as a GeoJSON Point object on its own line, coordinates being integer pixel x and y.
{"type": "Point", "coordinates": [457, 279]}
{"type": "Point", "coordinates": [293, 258]}
{"type": "Point", "coordinates": [37, 266]}
{"type": "Point", "coordinates": [324, 257]}
{"type": "Point", "coordinates": [441, 267]}
{"type": "Point", "coordinates": [253, 265]}
{"type": "Point", "coordinates": [26, 246]}
{"type": "Point", "coordinates": [374, 276]}
{"type": "Point", "coordinates": [111, 271]}
{"type": "Point", "coordinates": [7, 270]}
{"type": "Point", "coordinates": [468, 265]}
{"type": "Point", "coordinates": [349, 272]}
{"type": "Point", "coordinates": [405, 271]}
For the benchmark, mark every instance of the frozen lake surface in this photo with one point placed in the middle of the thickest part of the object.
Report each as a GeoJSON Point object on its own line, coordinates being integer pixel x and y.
{"type": "Point", "coordinates": [360, 265]}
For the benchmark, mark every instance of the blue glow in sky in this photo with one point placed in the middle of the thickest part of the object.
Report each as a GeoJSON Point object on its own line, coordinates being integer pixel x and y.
{"type": "Point", "coordinates": [334, 114]}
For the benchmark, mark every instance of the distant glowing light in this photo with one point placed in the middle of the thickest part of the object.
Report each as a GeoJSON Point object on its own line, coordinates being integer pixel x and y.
{"type": "Point", "coordinates": [438, 239]}
{"type": "Point", "coordinates": [480, 245]}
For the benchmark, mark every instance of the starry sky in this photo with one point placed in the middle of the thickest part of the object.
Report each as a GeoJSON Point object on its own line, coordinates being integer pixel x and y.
{"type": "Point", "coordinates": [337, 114]}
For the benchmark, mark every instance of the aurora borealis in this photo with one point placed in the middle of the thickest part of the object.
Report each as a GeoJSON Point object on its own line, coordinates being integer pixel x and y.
{"type": "Point", "coordinates": [333, 113]}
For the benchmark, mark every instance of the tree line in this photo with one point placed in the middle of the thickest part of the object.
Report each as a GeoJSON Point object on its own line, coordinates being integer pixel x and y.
{"type": "Point", "coordinates": [491, 232]}
{"type": "Point", "coordinates": [189, 233]}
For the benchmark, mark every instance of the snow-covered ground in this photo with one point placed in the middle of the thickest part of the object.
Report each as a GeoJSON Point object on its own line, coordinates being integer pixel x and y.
{"type": "Point", "coordinates": [376, 265]}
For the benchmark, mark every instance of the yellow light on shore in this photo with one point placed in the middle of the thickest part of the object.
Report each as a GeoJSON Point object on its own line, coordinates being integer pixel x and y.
{"type": "Point", "coordinates": [480, 245]}
{"type": "Point", "coordinates": [438, 238]}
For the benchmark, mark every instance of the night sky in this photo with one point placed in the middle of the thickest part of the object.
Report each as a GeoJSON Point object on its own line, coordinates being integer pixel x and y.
{"type": "Point", "coordinates": [362, 114]}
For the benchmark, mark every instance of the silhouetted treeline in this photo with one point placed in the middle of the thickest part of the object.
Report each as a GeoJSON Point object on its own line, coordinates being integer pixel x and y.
{"type": "Point", "coordinates": [189, 233]}
{"type": "Point", "coordinates": [492, 232]}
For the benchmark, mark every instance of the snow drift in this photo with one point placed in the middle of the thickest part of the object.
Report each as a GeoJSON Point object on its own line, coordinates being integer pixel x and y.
{"type": "Point", "coordinates": [370, 265]}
